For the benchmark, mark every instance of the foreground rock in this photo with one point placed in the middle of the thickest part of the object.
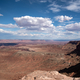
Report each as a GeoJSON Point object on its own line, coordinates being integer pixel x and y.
{"type": "Point", "coordinates": [47, 75]}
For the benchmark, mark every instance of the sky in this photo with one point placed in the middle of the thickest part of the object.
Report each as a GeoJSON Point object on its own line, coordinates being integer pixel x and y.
{"type": "Point", "coordinates": [40, 19]}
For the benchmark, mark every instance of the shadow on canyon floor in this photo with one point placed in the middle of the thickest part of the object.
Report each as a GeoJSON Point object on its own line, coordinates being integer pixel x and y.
{"type": "Point", "coordinates": [73, 69]}
{"type": "Point", "coordinates": [77, 52]}
{"type": "Point", "coordinates": [8, 44]}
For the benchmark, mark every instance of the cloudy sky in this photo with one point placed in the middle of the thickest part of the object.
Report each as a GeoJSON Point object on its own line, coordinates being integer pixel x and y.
{"type": "Point", "coordinates": [40, 19]}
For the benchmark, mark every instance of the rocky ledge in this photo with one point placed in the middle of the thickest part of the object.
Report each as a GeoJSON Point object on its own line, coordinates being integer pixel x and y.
{"type": "Point", "coordinates": [47, 75]}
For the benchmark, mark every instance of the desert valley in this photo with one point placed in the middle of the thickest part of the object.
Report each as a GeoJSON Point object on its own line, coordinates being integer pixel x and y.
{"type": "Point", "coordinates": [39, 39]}
{"type": "Point", "coordinates": [19, 58]}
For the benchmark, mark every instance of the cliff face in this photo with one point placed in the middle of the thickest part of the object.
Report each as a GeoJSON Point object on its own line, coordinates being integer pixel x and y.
{"type": "Point", "coordinates": [75, 46]}
{"type": "Point", "coordinates": [74, 42]}
{"type": "Point", "coordinates": [78, 47]}
{"type": "Point", "coordinates": [71, 45]}
{"type": "Point", "coordinates": [47, 75]}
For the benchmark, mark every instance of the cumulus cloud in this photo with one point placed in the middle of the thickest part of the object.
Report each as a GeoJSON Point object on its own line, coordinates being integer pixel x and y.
{"type": "Point", "coordinates": [73, 6]}
{"type": "Point", "coordinates": [63, 18]}
{"type": "Point", "coordinates": [1, 14]}
{"type": "Point", "coordinates": [34, 23]}
{"type": "Point", "coordinates": [30, 26]}
{"type": "Point", "coordinates": [8, 25]}
{"type": "Point", "coordinates": [73, 27]}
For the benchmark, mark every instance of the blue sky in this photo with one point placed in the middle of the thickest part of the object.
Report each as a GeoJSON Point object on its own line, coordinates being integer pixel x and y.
{"type": "Point", "coordinates": [40, 19]}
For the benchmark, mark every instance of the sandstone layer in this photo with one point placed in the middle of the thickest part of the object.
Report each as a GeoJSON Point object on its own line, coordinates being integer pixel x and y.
{"type": "Point", "coordinates": [47, 75]}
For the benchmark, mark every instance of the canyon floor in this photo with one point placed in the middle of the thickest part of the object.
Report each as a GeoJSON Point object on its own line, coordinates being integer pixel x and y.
{"type": "Point", "coordinates": [19, 58]}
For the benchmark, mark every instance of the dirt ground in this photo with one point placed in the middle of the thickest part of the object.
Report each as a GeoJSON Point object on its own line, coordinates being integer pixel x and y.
{"type": "Point", "coordinates": [18, 60]}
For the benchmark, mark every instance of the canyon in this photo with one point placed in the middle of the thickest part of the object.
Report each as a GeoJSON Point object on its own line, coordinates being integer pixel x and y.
{"type": "Point", "coordinates": [19, 58]}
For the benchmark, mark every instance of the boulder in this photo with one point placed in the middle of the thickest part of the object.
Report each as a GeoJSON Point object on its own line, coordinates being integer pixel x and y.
{"type": "Point", "coordinates": [47, 75]}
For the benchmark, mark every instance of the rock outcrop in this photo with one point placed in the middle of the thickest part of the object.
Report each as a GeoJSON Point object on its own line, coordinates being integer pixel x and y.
{"type": "Point", "coordinates": [47, 75]}
{"type": "Point", "coordinates": [78, 47]}
{"type": "Point", "coordinates": [71, 45]}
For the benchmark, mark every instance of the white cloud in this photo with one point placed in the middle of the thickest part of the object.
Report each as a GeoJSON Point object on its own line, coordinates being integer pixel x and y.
{"type": "Point", "coordinates": [69, 33]}
{"type": "Point", "coordinates": [1, 14]}
{"type": "Point", "coordinates": [1, 30]}
{"type": "Point", "coordinates": [54, 7]}
{"type": "Point", "coordinates": [17, 0]}
{"type": "Point", "coordinates": [37, 27]}
{"type": "Point", "coordinates": [23, 33]}
{"type": "Point", "coordinates": [53, 34]}
{"type": "Point", "coordinates": [73, 6]}
{"type": "Point", "coordinates": [60, 28]}
{"type": "Point", "coordinates": [43, 1]}
{"type": "Point", "coordinates": [34, 23]}
{"type": "Point", "coordinates": [17, 33]}
{"type": "Point", "coordinates": [5, 31]}
{"type": "Point", "coordinates": [63, 18]}
{"type": "Point", "coordinates": [73, 27]}
{"type": "Point", "coordinates": [8, 25]}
